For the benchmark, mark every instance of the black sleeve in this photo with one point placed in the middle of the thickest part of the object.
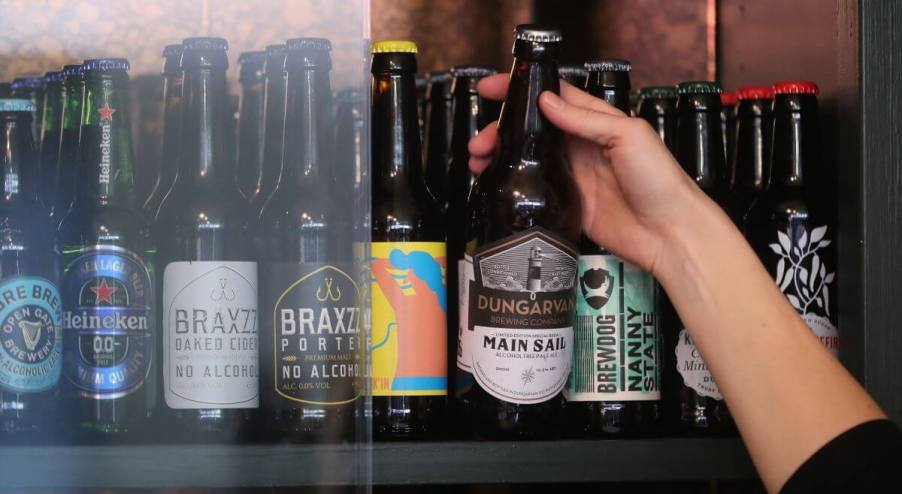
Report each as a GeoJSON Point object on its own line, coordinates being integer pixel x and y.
{"type": "Point", "coordinates": [866, 458]}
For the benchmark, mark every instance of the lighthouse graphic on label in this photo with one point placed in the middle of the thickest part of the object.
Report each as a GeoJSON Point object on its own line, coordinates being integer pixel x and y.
{"type": "Point", "coordinates": [534, 275]}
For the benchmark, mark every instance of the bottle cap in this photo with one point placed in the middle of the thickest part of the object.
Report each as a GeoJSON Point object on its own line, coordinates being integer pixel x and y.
{"type": "Point", "coordinates": [698, 87]}
{"type": "Point", "coordinates": [729, 98]}
{"type": "Point", "coordinates": [317, 44]}
{"type": "Point", "coordinates": [251, 66]}
{"type": "Point", "coordinates": [275, 50]}
{"type": "Point", "coordinates": [395, 46]}
{"type": "Point", "coordinates": [608, 65]}
{"type": "Point", "coordinates": [478, 71]}
{"type": "Point", "coordinates": [252, 57]}
{"type": "Point", "coordinates": [537, 33]}
{"type": "Point", "coordinates": [73, 70]}
{"type": "Point", "coordinates": [658, 92]}
{"type": "Point", "coordinates": [755, 92]}
{"type": "Point", "coordinates": [27, 82]}
{"type": "Point", "coordinates": [795, 87]}
{"type": "Point", "coordinates": [53, 76]}
{"type": "Point", "coordinates": [16, 105]}
{"type": "Point", "coordinates": [172, 51]}
{"type": "Point", "coordinates": [105, 64]}
{"type": "Point", "coordinates": [439, 77]}
{"type": "Point", "coordinates": [219, 44]}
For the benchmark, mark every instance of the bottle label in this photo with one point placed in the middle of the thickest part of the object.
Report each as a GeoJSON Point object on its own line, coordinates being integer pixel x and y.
{"type": "Point", "coordinates": [31, 338]}
{"type": "Point", "coordinates": [693, 369]}
{"type": "Point", "coordinates": [615, 347]}
{"type": "Point", "coordinates": [521, 306]}
{"type": "Point", "coordinates": [409, 323]}
{"type": "Point", "coordinates": [312, 339]}
{"type": "Point", "coordinates": [210, 356]}
{"type": "Point", "coordinates": [803, 275]}
{"type": "Point", "coordinates": [108, 322]}
{"type": "Point", "coordinates": [464, 277]}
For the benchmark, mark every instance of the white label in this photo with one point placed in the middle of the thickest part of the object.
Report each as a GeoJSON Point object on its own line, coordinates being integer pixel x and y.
{"type": "Point", "coordinates": [522, 366]}
{"type": "Point", "coordinates": [210, 355]}
{"type": "Point", "coordinates": [824, 330]}
{"type": "Point", "coordinates": [693, 369]}
{"type": "Point", "coordinates": [464, 277]}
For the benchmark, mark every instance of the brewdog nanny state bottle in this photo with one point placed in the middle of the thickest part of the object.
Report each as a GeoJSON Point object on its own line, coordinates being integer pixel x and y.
{"type": "Point", "coordinates": [209, 283]}
{"type": "Point", "coordinates": [524, 228]}
{"type": "Point", "coordinates": [107, 289]}
{"type": "Point", "coordinates": [310, 341]}
{"type": "Point", "coordinates": [31, 339]}
{"type": "Point", "coordinates": [169, 144]}
{"type": "Point", "coordinates": [73, 118]}
{"type": "Point", "coordinates": [700, 152]}
{"type": "Point", "coordinates": [615, 384]}
{"type": "Point", "coordinates": [792, 227]}
{"type": "Point", "coordinates": [409, 299]}
{"type": "Point", "coordinates": [471, 113]}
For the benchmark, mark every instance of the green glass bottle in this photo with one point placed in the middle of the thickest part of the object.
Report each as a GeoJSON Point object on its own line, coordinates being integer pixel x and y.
{"type": "Point", "coordinates": [50, 140]}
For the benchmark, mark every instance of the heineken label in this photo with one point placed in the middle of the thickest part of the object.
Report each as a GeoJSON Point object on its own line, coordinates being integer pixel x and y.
{"type": "Point", "coordinates": [615, 348]}
{"type": "Point", "coordinates": [312, 341]}
{"type": "Point", "coordinates": [210, 354]}
{"type": "Point", "coordinates": [31, 338]}
{"type": "Point", "coordinates": [520, 315]}
{"type": "Point", "coordinates": [108, 325]}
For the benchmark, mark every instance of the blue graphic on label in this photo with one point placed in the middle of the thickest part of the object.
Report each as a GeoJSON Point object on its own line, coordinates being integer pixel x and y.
{"type": "Point", "coordinates": [107, 321]}
{"type": "Point", "coordinates": [31, 343]}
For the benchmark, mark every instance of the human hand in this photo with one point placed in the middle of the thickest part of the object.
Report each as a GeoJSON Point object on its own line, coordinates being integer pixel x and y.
{"type": "Point", "coordinates": [634, 193]}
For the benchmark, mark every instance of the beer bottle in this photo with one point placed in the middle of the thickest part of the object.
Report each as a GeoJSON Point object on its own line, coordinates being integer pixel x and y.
{"type": "Point", "coordinates": [72, 120]}
{"type": "Point", "coordinates": [635, 100]}
{"type": "Point", "coordinates": [728, 101]}
{"type": "Point", "coordinates": [524, 213]}
{"type": "Point", "coordinates": [209, 283]}
{"type": "Point", "coordinates": [31, 343]}
{"type": "Point", "coordinates": [172, 107]}
{"type": "Point", "coordinates": [615, 384]}
{"type": "Point", "coordinates": [657, 106]}
{"type": "Point", "coordinates": [409, 298]}
{"type": "Point", "coordinates": [753, 127]}
{"type": "Point", "coordinates": [438, 134]}
{"type": "Point", "coordinates": [107, 289]}
{"type": "Point", "coordinates": [50, 140]}
{"type": "Point", "coordinates": [250, 122]}
{"type": "Point", "coordinates": [273, 124]}
{"type": "Point", "coordinates": [470, 115]}
{"type": "Point", "coordinates": [792, 227]}
{"type": "Point", "coordinates": [31, 87]}
{"type": "Point", "coordinates": [349, 143]}
{"type": "Point", "coordinates": [310, 309]}
{"type": "Point", "coordinates": [422, 82]}
{"type": "Point", "coordinates": [575, 74]}
{"type": "Point", "coordinates": [700, 151]}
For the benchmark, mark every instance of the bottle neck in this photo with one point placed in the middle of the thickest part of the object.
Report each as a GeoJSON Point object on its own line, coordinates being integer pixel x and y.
{"type": "Point", "coordinates": [794, 140]}
{"type": "Point", "coordinates": [106, 159]}
{"type": "Point", "coordinates": [308, 127]}
{"type": "Point", "coordinates": [660, 113]}
{"type": "Point", "coordinates": [396, 136]}
{"type": "Point", "coordinates": [53, 107]}
{"type": "Point", "coordinates": [525, 134]}
{"type": "Point", "coordinates": [73, 105]}
{"type": "Point", "coordinates": [752, 133]}
{"type": "Point", "coordinates": [700, 147]}
{"type": "Point", "coordinates": [613, 87]}
{"type": "Point", "coordinates": [204, 161]}
{"type": "Point", "coordinates": [17, 159]}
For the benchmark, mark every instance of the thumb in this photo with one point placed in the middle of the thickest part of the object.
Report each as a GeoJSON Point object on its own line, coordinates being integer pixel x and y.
{"type": "Point", "coordinates": [598, 127]}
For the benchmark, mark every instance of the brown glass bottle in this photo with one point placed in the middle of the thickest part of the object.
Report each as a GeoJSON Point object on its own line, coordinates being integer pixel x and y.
{"type": "Point", "coordinates": [657, 106]}
{"type": "Point", "coordinates": [524, 215]}
{"type": "Point", "coordinates": [438, 134]}
{"type": "Point", "coordinates": [752, 152]}
{"type": "Point", "coordinates": [470, 115]}
{"type": "Point", "coordinates": [172, 107]}
{"type": "Point", "coordinates": [792, 227]}
{"type": "Point", "coordinates": [615, 385]}
{"type": "Point", "coordinates": [250, 122]}
{"type": "Point", "coordinates": [273, 124]}
{"type": "Point", "coordinates": [209, 279]}
{"type": "Point", "coordinates": [409, 325]}
{"type": "Point", "coordinates": [697, 403]}
{"type": "Point", "coordinates": [728, 102]}
{"type": "Point", "coordinates": [575, 74]}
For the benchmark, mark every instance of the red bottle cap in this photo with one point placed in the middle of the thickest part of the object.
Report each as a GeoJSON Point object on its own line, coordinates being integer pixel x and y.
{"type": "Point", "coordinates": [756, 92]}
{"type": "Point", "coordinates": [795, 87]}
{"type": "Point", "coordinates": [728, 98]}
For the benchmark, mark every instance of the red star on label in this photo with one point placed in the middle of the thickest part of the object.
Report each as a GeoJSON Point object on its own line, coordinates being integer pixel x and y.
{"type": "Point", "coordinates": [104, 292]}
{"type": "Point", "coordinates": [106, 113]}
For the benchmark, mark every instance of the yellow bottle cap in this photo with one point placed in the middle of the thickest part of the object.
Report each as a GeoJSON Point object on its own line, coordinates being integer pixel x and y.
{"type": "Point", "coordinates": [394, 46]}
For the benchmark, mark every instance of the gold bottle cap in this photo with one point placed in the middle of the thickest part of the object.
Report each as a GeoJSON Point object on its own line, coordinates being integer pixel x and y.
{"type": "Point", "coordinates": [394, 46]}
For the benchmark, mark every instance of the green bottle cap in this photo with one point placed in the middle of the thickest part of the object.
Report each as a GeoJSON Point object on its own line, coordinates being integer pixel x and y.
{"type": "Point", "coordinates": [659, 92]}
{"type": "Point", "coordinates": [698, 87]}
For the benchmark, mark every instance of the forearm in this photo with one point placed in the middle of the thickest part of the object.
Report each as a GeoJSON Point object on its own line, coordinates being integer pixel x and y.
{"type": "Point", "coordinates": [788, 395]}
